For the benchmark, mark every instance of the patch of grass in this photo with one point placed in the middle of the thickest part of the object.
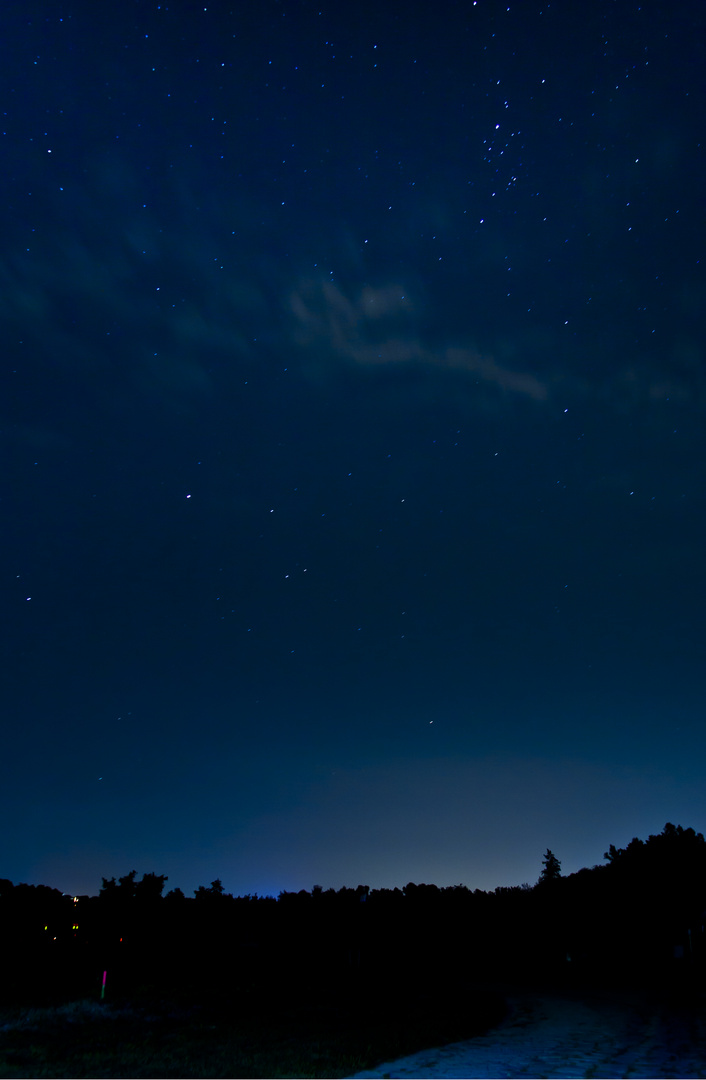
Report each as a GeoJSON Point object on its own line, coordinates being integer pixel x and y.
{"type": "Point", "coordinates": [234, 1037]}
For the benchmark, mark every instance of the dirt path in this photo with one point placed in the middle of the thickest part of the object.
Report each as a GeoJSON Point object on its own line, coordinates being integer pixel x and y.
{"type": "Point", "coordinates": [545, 1036]}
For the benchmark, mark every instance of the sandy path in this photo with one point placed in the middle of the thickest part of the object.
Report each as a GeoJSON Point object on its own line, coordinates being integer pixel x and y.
{"type": "Point", "coordinates": [547, 1036]}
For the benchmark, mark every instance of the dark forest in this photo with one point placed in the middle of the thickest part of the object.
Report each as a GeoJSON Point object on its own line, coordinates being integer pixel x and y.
{"type": "Point", "coordinates": [637, 918]}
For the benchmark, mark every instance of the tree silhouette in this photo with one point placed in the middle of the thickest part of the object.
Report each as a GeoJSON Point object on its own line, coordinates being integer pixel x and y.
{"type": "Point", "coordinates": [151, 887]}
{"type": "Point", "coordinates": [215, 890]}
{"type": "Point", "coordinates": [551, 869]}
{"type": "Point", "coordinates": [639, 919]}
{"type": "Point", "coordinates": [127, 888]}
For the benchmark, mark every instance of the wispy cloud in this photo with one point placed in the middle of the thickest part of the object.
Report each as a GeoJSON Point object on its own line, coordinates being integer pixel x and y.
{"type": "Point", "coordinates": [377, 328]}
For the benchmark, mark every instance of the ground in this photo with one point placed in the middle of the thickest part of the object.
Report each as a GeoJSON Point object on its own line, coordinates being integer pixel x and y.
{"type": "Point", "coordinates": [596, 1035]}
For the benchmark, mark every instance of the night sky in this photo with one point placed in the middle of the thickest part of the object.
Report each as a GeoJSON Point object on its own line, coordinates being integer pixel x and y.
{"type": "Point", "coordinates": [352, 424]}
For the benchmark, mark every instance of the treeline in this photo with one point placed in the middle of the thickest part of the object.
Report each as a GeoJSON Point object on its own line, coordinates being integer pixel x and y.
{"type": "Point", "coordinates": [638, 917]}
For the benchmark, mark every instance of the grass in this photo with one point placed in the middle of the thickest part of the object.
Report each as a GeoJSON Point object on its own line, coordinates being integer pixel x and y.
{"type": "Point", "coordinates": [239, 1036]}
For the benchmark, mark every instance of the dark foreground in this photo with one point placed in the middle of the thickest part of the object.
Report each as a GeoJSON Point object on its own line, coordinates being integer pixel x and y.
{"type": "Point", "coordinates": [278, 1035]}
{"type": "Point", "coordinates": [490, 1030]}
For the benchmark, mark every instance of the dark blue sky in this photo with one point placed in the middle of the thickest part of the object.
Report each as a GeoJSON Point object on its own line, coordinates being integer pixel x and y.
{"type": "Point", "coordinates": [352, 428]}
